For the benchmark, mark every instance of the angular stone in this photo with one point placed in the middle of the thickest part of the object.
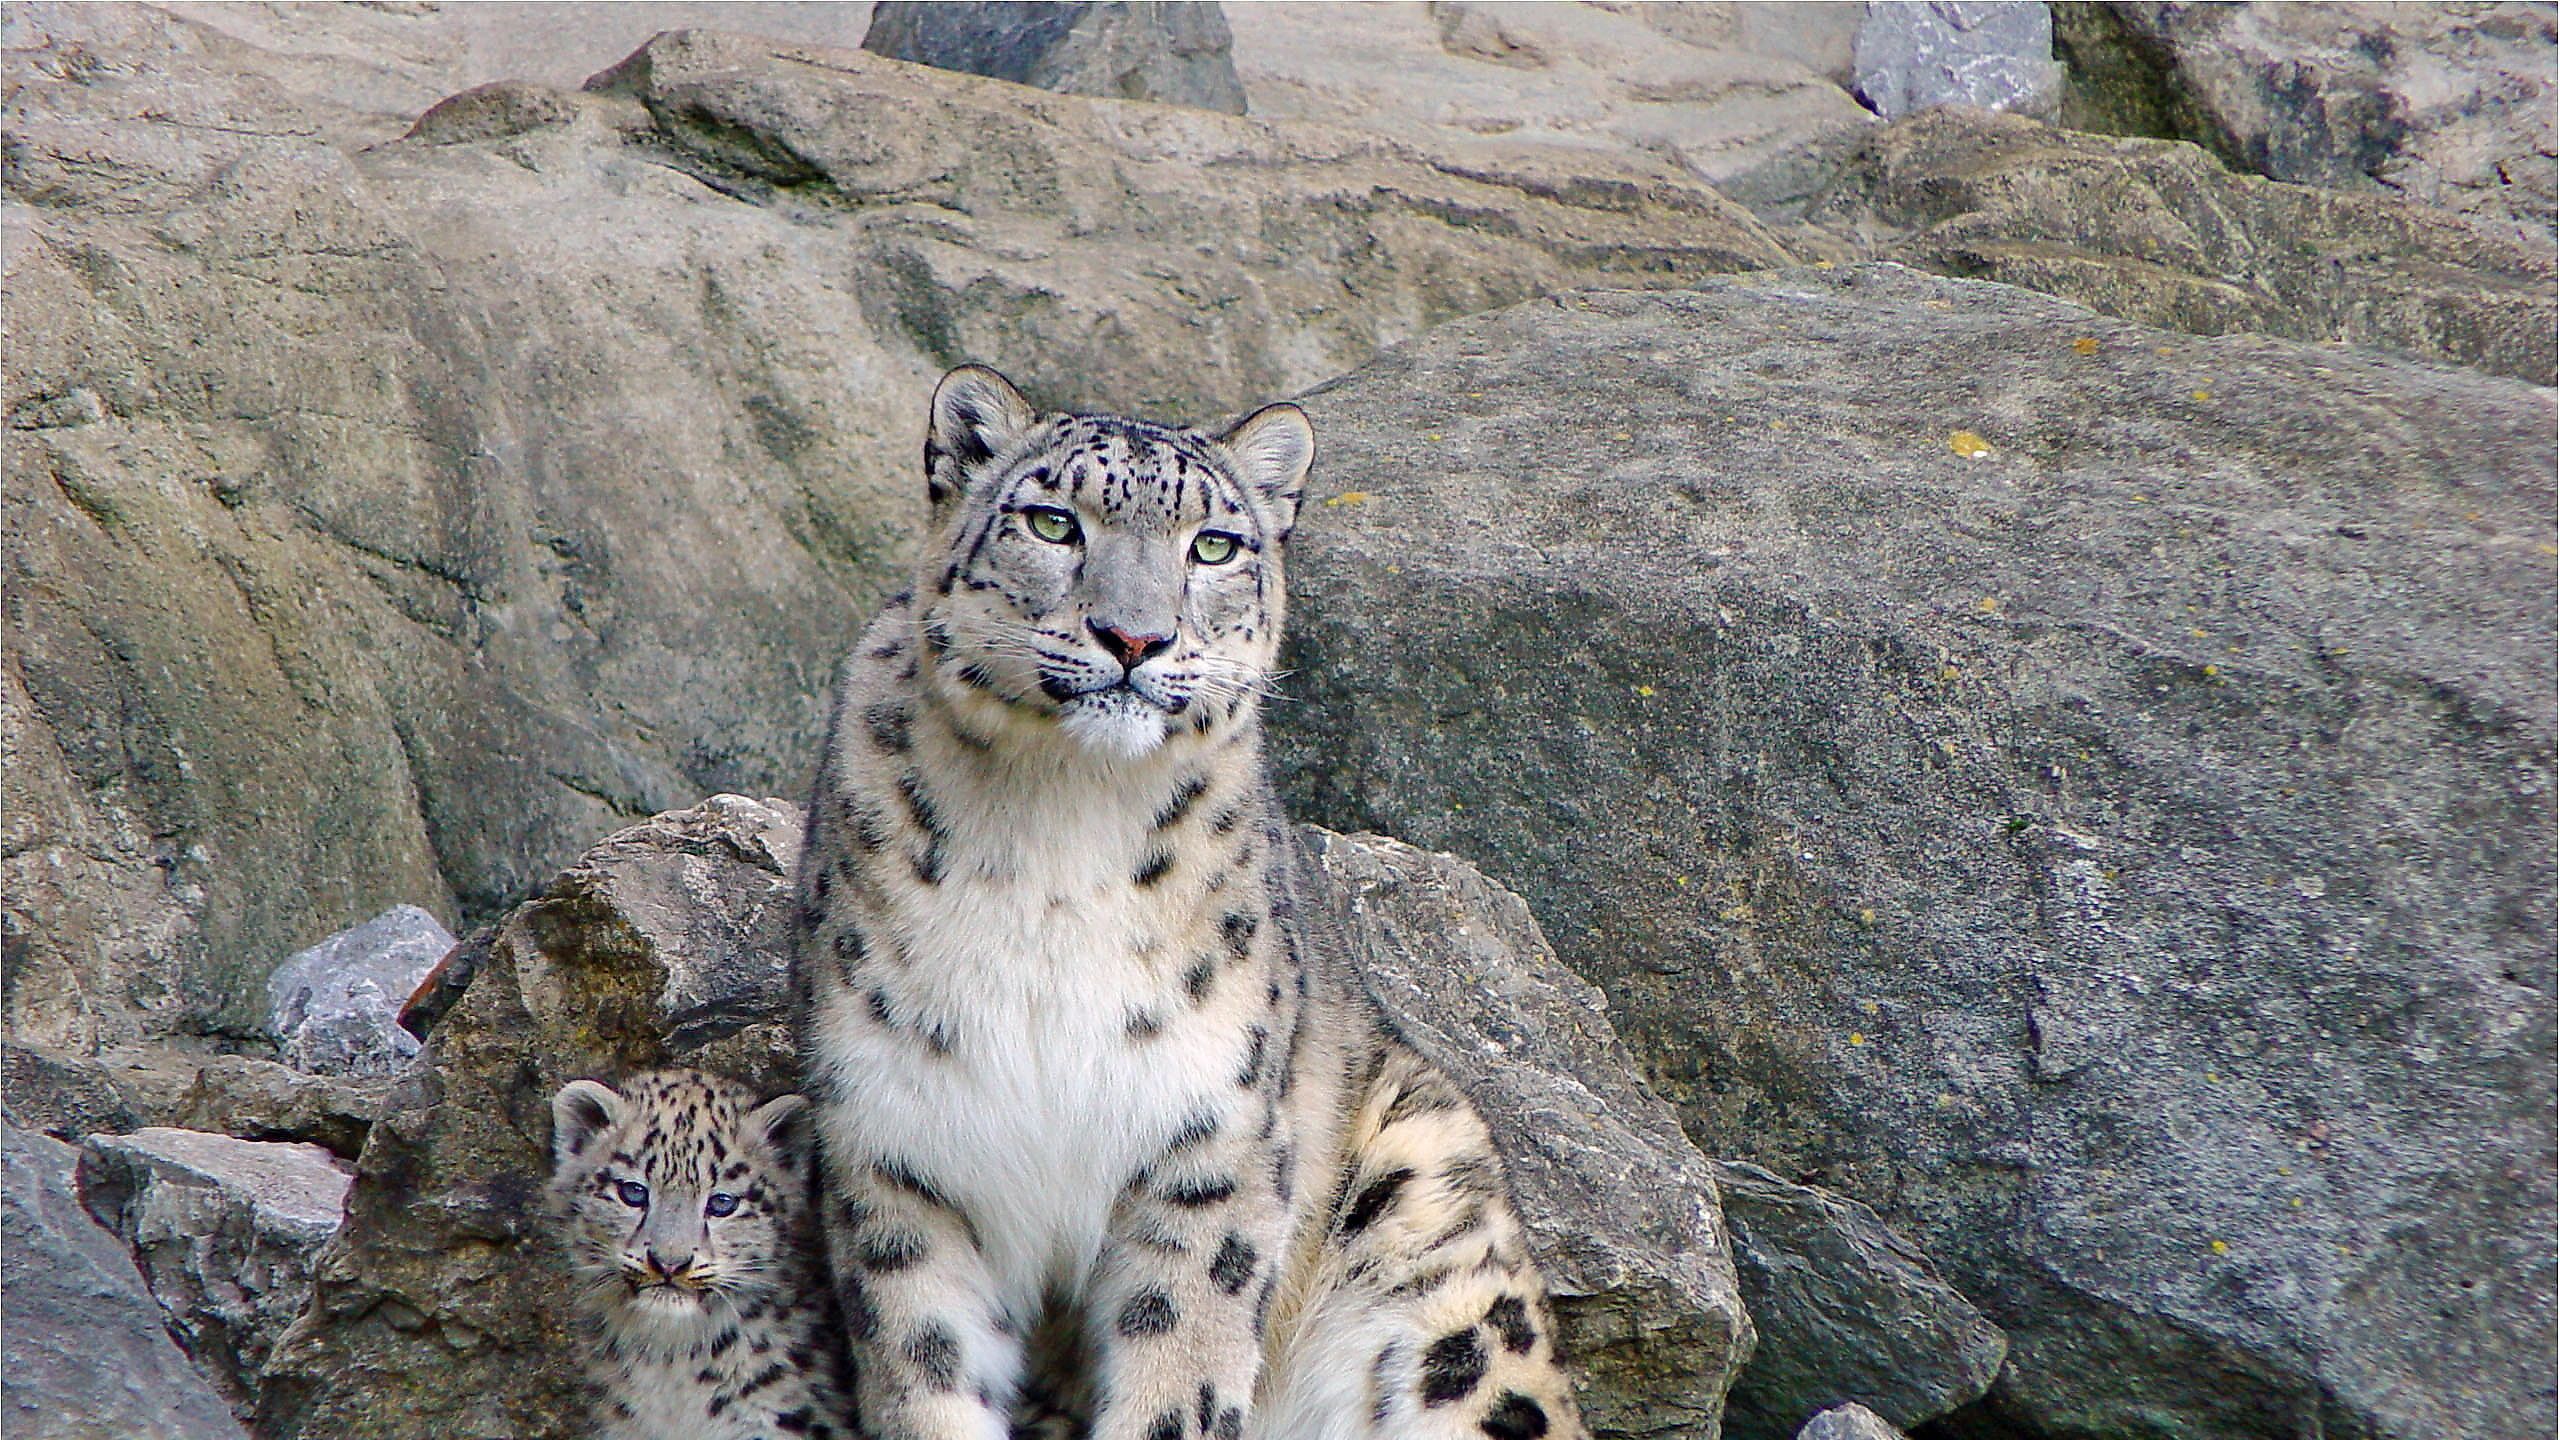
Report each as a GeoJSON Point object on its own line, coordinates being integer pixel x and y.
{"type": "Point", "coordinates": [252, 1099]}
{"type": "Point", "coordinates": [2160, 233]}
{"type": "Point", "coordinates": [64, 1095]}
{"type": "Point", "coordinates": [2447, 105]}
{"type": "Point", "coordinates": [1991, 54]}
{"type": "Point", "coordinates": [84, 1355]}
{"type": "Point", "coordinates": [1172, 52]}
{"type": "Point", "coordinates": [439, 1310]}
{"type": "Point", "coordinates": [2081, 790]}
{"type": "Point", "coordinates": [1848, 1422]}
{"type": "Point", "coordinates": [1621, 1209]}
{"type": "Point", "coordinates": [333, 1009]}
{"type": "Point", "coordinates": [224, 1231]}
{"type": "Point", "coordinates": [1847, 1310]}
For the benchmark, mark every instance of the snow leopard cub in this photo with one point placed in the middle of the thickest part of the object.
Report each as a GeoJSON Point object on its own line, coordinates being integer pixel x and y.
{"type": "Point", "coordinates": [686, 1209]}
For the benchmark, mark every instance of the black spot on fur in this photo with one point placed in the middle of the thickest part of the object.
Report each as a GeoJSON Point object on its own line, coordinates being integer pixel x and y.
{"type": "Point", "coordinates": [1208, 1405]}
{"type": "Point", "coordinates": [1195, 981]}
{"type": "Point", "coordinates": [1452, 1366]}
{"type": "Point", "coordinates": [1198, 1194]}
{"type": "Point", "coordinates": [1237, 929]}
{"type": "Point", "coordinates": [1373, 1200]}
{"type": "Point", "coordinates": [1254, 1049]}
{"type": "Point", "coordinates": [935, 1353]}
{"type": "Point", "coordinates": [1230, 1424]}
{"type": "Point", "coordinates": [1167, 1426]}
{"type": "Point", "coordinates": [1185, 795]}
{"type": "Point", "coordinates": [1157, 865]}
{"type": "Point", "coordinates": [1144, 1025]}
{"type": "Point", "coordinates": [889, 723]}
{"type": "Point", "coordinates": [1149, 1312]}
{"type": "Point", "coordinates": [1509, 1318]}
{"type": "Point", "coordinates": [1199, 1127]}
{"type": "Point", "coordinates": [885, 1252]}
{"type": "Point", "coordinates": [1514, 1417]}
{"type": "Point", "coordinates": [1232, 1268]}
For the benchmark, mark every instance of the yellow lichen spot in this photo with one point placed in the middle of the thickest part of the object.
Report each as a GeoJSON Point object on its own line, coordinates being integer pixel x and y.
{"type": "Point", "coordinates": [1680, 880]}
{"type": "Point", "coordinates": [2297, 1202]}
{"type": "Point", "coordinates": [2085, 345]}
{"type": "Point", "coordinates": [2211, 1078]}
{"type": "Point", "coordinates": [2168, 350]}
{"type": "Point", "coordinates": [1867, 915]}
{"type": "Point", "coordinates": [2198, 396]}
{"type": "Point", "coordinates": [2141, 499]}
{"type": "Point", "coordinates": [1945, 1100]}
{"type": "Point", "coordinates": [2546, 549]}
{"type": "Point", "coordinates": [1645, 691]}
{"type": "Point", "coordinates": [1949, 673]}
{"type": "Point", "coordinates": [1869, 1007]}
{"type": "Point", "coordinates": [1822, 265]}
{"type": "Point", "coordinates": [1350, 497]}
{"type": "Point", "coordinates": [1988, 605]}
{"type": "Point", "coordinates": [1968, 445]}
{"type": "Point", "coordinates": [2210, 671]}
{"type": "Point", "coordinates": [1623, 435]}
{"type": "Point", "coordinates": [1857, 1039]}
{"type": "Point", "coordinates": [2221, 1249]}
{"type": "Point", "coordinates": [1436, 435]}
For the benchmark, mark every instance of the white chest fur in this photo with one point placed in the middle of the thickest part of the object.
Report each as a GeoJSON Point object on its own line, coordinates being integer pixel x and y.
{"type": "Point", "coordinates": [1029, 959]}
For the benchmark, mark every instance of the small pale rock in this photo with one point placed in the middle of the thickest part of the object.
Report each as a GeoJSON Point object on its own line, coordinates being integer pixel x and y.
{"type": "Point", "coordinates": [1848, 1422]}
{"type": "Point", "coordinates": [224, 1231]}
{"type": "Point", "coordinates": [85, 1354]}
{"type": "Point", "coordinates": [333, 1009]}
{"type": "Point", "coordinates": [1994, 54]}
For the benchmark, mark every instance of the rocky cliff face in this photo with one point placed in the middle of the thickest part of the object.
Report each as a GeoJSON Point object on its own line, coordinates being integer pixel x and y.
{"type": "Point", "coordinates": [2075, 782]}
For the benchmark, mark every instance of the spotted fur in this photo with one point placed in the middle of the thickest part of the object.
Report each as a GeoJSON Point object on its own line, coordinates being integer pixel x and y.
{"type": "Point", "coordinates": [685, 1210]}
{"type": "Point", "coordinates": [1080, 1059]}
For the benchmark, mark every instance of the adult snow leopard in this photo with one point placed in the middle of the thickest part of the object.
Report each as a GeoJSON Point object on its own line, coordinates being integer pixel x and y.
{"type": "Point", "coordinates": [1078, 1056]}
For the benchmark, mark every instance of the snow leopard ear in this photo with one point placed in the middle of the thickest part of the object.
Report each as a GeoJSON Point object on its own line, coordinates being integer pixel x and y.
{"type": "Point", "coordinates": [1273, 447]}
{"type": "Point", "coordinates": [977, 415]}
{"type": "Point", "coordinates": [581, 1111]}
{"type": "Point", "coordinates": [783, 1121]}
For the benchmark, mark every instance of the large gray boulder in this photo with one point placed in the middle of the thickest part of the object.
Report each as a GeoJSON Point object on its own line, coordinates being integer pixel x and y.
{"type": "Point", "coordinates": [356, 551]}
{"type": "Point", "coordinates": [1171, 51]}
{"type": "Point", "coordinates": [84, 1355]}
{"type": "Point", "coordinates": [1990, 54]}
{"type": "Point", "coordinates": [1847, 1311]}
{"type": "Point", "coordinates": [439, 1309]}
{"type": "Point", "coordinates": [224, 1231]}
{"type": "Point", "coordinates": [334, 1009]}
{"type": "Point", "coordinates": [2081, 790]}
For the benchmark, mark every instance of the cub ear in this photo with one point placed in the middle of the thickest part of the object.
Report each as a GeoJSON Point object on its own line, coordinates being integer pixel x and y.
{"type": "Point", "coordinates": [977, 414]}
{"type": "Point", "coordinates": [1273, 447]}
{"type": "Point", "coordinates": [583, 1110]}
{"type": "Point", "coordinates": [783, 1121]}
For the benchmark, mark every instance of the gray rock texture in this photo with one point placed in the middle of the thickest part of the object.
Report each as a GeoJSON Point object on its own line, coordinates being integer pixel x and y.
{"type": "Point", "coordinates": [84, 1355]}
{"type": "Point", "coordinates": [333, 1009]}
{"type": "Point", "coordinates": [1848, 1422]}
{"type": "Point", "coordinates": [2161, 233]}
{"type": "Point", "coordinates": [224, 1232]}
{"type": "Point", "coordinates": [2081, 790]}
{"type": "Point", "coordinates": [1991, 54]}
{"type": "Point", "coordinates": [1172, 53]}
{"type": "Point", "coordinates": [1847, 1311]}
{"type": "Point", "coordinates": [2448, 105]}
{"type": "Point", "coordinates": [252, 1099]}
{"type": "Point", "coordinates": [438, 1310]}
{"type": "Point", "coordinates": [354, 551]}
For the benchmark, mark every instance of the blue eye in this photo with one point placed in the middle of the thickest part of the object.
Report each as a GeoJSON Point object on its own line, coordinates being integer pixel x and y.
{"type": "Point", "coordinates": [633, 1193]}
{"type": "Point", "coordinates": [720, 1203]}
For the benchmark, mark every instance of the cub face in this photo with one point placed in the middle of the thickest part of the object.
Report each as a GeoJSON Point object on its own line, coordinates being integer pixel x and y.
{"type": "Point", "coordinates": [1110, 581]}
{"type": "Point", "coordinates": [679, 1193]}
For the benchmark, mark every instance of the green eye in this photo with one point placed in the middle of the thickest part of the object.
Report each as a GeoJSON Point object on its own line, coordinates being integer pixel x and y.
{"type": "Point", "coordinates": [1055, 526]}
{"type": "Point", "coordinates": [1212, 548]}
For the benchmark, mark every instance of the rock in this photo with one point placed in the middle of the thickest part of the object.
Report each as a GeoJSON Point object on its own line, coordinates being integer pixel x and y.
{"type": "Point", "coordinates": [1847, 1310]}
{"type": "Point", "coordinates": [1848, 1422]}
{"type": "Point", "coordinates": [63, 1095]}
{"type": "Point", "coordinates": [252, 1099]}
{"type": "Point", "coordinates": [333, 1009]}
{"type": "Point", "coordinates": [2159, 233]}
{"type": "Point", "coordinates": [1745, 96]}
{"type": "Point", "coordinates": [84, 1355]}
{"type": "Point", "coordinates": [2074, 788]}
{"type": "Point", "coordinates": [382, 571]}
{"type": "Point", "coordinates": [1992, 54]}
{"type": "Point", "coordinates": [1173, 53]}
{"type": "Point", "coordinates": [1619, 1206]}
{"type": "Point", "coordinates": [439, 1309]}
{"type": "Point", "coordinates": [224, 1231]}
{"type": "Point", "coordinates": [2447, 105]}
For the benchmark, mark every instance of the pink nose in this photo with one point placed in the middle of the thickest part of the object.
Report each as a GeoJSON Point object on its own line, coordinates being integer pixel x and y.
{"type": "Point", "coordinates": [1130, 650]}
